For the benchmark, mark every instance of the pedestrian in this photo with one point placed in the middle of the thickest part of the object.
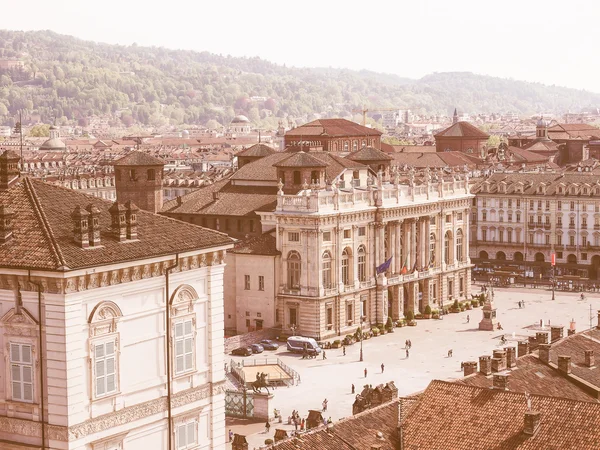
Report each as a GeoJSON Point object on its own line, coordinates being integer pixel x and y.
{"type": "Point", "coordinates": [324, 357]}
{"type": "Point", "coordinates": [409, 343]}
{"type": "Point", "coordinates": [468, 318]}
{"type": "Point", "coordinates": [365, 372]}
{"type": "Point", "coordinates": [267, 427]}
{"type": "Point", "coordinates": [302, 424]}
{"type": "Point", "coordinates": [382, 367]}
{"type": "Point", "coordinates": [324, 421]}
{"type": "Point", "coordinates": [295, 425]}
{"type": "Point", "coordinates": [329, 420]}
{"type": "Point", "coordinates": [353, 388]}
{"type": "Point", "coordinates": [325, 405]}
{"type": "Point", "coordinates": [406, 343]}
{"type": "Point", "coordinates": [344, 350]}
{"type": "Point", "coordinates": [541, 323]}
{"type": "Point", "coordinates": [230, 435]}
{"type": "Point", "coordinates": [406, 353]}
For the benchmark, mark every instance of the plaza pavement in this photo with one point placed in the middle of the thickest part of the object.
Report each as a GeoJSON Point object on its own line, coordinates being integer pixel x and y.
{"type": "Point", "coordinates": [431, 339]}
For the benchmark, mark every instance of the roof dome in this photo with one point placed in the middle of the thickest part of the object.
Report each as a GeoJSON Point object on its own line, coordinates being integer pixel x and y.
{"type": "Point", "coordinates": [240, 119]}
{"type": "Point", "coordinates": [53, 144]}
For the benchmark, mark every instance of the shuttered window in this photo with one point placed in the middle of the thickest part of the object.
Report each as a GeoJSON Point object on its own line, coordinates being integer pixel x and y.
{"type": "Point", "coordinates": [184, 346]}
{"type": "Point", "coordinates": [21, 365]}
{"type": "Point", "coordinates": [105, 366]}
{"type": "Point", "coordinates": [186, 435]}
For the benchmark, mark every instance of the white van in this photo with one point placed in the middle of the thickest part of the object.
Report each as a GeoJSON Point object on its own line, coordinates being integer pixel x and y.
{"type": "Point", "coordinates": [297, 344]}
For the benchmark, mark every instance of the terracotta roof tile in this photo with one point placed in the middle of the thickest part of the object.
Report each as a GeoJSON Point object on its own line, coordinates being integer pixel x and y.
{"type": "Point", "coordinates": [300, 159]}
{"type": "Point", "coordinates": [265, 244]}
{"type": "Point", "coordinates": [459, 417]}
{"type": "Point", "coordinates": [139, 159]}
{"type": "Point", "coordinates": [333, 127]}
{"type": "Point", "coordinates": [369, 154]}
{"type": "Point", "coordinates": [257, 150]}
{"type": "Point", "coordinates": [463, 129]}
{"type": "Point", "coordinates": [43, 236]}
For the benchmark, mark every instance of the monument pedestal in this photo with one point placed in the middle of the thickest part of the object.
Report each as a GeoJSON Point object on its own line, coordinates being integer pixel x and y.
{"type": "Point", "coordinates": [489, 321]}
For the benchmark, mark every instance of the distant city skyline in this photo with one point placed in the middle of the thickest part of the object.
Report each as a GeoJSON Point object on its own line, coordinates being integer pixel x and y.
{"type": "Point", "coordinates": [547, 42]}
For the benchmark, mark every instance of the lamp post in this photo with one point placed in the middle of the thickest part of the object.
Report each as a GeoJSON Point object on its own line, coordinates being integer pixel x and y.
{"type": "Point", "coordinates": [553, 282]}
{"type": "Point", "coordinates": [361, 343]}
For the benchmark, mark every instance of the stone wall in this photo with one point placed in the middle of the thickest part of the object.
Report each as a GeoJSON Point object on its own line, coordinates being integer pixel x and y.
{"type": "Point", "coordinates": [254, 337]}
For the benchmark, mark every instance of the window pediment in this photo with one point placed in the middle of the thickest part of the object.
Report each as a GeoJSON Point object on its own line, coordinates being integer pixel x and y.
{"type": "Point", "coordinates": [104, 318]}
{"type": "Point", "coordinates": [19, 323]}
{"type": "Point", "coordinates": [183, 299]}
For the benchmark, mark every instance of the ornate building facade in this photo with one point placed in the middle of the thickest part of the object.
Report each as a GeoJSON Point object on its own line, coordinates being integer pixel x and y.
{"type": "Point", "coordinates": [112, 331]}
{"type": "Point", "coordinates": [332, 240]}
{"type": "Point", "coordinates": [519, 220]}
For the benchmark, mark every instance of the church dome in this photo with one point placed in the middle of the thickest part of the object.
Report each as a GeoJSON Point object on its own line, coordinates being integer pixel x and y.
{"type": "Point", "coordinates": [543, 123]}
{"type": "Point", "coordinates": [53, 144]}
{"type": "Point", "coordinates": [240, 119]}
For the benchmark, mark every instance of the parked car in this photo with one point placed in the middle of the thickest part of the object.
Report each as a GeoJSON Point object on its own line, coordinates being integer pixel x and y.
{"type": "Point", "coordinates": [269, 344]}
{"type": "Point", "coordinates": [242, 351]}
{"type": "Point", "coordinates": [257, 348]}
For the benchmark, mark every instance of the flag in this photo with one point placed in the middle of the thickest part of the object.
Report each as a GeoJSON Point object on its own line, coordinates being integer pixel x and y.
{"type": "Point", "coordinates": [404, 268]}
{"type": "Point", "coordinates": [414, 269]}
{"type": "Point", "coordinates": [385, 266]}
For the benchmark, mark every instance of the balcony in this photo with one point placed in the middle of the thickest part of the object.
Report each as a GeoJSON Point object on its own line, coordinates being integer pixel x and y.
{"type": "Point", "coordinates": [597, 227]}
{"type": "Point", "coordinates": [547, 226]}
{"type": "Point", "coordinates": [571, 226]}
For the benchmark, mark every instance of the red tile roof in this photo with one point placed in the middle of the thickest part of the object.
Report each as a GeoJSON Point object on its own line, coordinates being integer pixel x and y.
{"type": "Point", "coordinates": [257, 150]}
{"type": "Point", "coordinates": [139, 159]}
{"type": "Point", "coordinates": [369, 154]}
{"type": "Point", "coordinates": [457, 417]}
{"type": "Point", "coordinates": [265, 244]}
{"type": "Point", "coordinates": [463, 129]}
{"type": "Point", "coordinates": [43, 236]}
{"type": "Point", "coordinates": [333, 128]}
{"type": "Point", "coordinates": [300, 159]}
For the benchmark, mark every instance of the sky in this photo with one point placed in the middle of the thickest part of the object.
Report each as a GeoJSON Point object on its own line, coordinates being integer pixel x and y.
{"type": "Point", "coordinates": [551, 42]}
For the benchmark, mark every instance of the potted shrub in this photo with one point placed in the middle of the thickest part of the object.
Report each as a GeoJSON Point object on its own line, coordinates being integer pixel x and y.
{"type": "Point", "coordinates": [412, 323]}
{"type": "Point", "coordinates": [268, 441]}
{"type": "Point", "coordinates": [481, 299]}
{"type": "Point", "coordinates": [409, 316]}
{"type": "Point", "coordinates": [336, 344]}
{"type": "Point", "coordinates": [468, 305]}
{"type": "Point", "coordinates": [435, 314]}
{"type": "Point", "coordinates": [375, 331]}
{"type": "Point", "coordinates": [475, 303]}
{"type": "Point", "coordinates": [389, 326]}
{"type": "Point", "coordinates": [427, 313]}
{"type": "Point", "coordinates": [455, 307]}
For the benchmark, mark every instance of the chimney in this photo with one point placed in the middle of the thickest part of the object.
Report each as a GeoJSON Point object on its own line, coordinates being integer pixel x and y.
{"type": "Point", "coordinates": [571, 332]}
{"type": "Point", "coordinates": [80, 227]}
{"type": "Point", "coordinates": [589, 358]}
{"type": "Point", "coordinates": [9, 169]}
{"type": "Point", "coordinates": [239, 442]}
{"type": "Point", "coordinates": [501, 355]}
{"type": "Point", "coordinates": [511, 357]}
{"type": "Point", "coordinates": [497, 365]}
{"type": "Point", "coordinates": [523, 348]}
{"type": "Point", "coordinates": [118, 223]}
{"type": "Point", "coordinates": [469, 367]}
{"type": "Point", "coordinates": [485, 365]}
{"type": "Point", "coordinates": [131, 219]}
{"type": "Point", "coordinates": [533, 343]}
{"type": "Point", "coordinates": [541, 337]}
{"type": "Point", "coordinates": [6, 228]}
{"type": "Point", "coordinates": [564, 365]}
{"type": "Point", "coordinates": [544, 353]}
{"type": "Point", "coordinates": [93, 225]}
{"type": "Point", "coordinates": [179, 200]}
{"type": "Point", "coordinates": [500, 381]}
{"type": "Point", "coordinates": [532, 422]}
{"type": "Point", "coordinates": [280, 435]}
{"type": "Point", "coordinates": [556, 333]}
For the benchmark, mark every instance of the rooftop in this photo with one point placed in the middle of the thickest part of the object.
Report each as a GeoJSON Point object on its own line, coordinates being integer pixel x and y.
{"type": "Point", "coordinates": [137, 158]}
{"type": "Point", "coordinates": [463, 129]}
{"type": "Point", "coordinates": [333, 128]}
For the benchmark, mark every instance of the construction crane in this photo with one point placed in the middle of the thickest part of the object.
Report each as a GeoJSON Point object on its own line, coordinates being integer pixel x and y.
{"type": "Point", "coordinates": [364, 112]}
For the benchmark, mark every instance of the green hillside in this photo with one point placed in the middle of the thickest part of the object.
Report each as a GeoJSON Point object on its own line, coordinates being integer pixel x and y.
{"type": "Point", "coordinates": [71, 79]}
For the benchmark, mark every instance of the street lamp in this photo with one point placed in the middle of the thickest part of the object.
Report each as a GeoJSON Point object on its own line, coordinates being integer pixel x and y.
{"type": "Point", "coordinates": [553, 282]}
{"type": "Point", "coordinates": [361, 344]}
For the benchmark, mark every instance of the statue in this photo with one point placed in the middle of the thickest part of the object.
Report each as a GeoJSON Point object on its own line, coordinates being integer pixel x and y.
{"type": "Point", "coordinates": [427, 175]}
{"type": "Point", "coordinates": [261, 382]}
{"type": "Point", "coordinates": [411, 176]}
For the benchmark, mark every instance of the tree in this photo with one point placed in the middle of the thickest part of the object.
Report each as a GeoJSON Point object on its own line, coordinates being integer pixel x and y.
{"type": "Point", "coordinates": [493, 141]}
{"type": "Point", "coordinates": [212, 124]}
{"type": "Point", "coordinates": [40, 131]}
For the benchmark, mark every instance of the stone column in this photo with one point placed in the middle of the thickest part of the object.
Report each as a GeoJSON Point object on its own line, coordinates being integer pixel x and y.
{"type": "Point", "coordinates": [377, 247]}
{"type": "Point", "coordinates": [392, 245]}
{"type": "Point", "coordinates": [406, 241]}
{"type": "Point", "coordinates": [398, 255]}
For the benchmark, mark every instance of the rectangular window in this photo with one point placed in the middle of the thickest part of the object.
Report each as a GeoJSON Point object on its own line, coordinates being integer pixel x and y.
{"type": "Point", "coordinates": [484, 203]}
{"type": "Point", "coordinates": [294, 237]}
{"type": "Point", "coordinates": [450, 289]}
{"type": "Point", "coordinates": [185, 435]}
{"type": "Point", "coordinates": [327, 236]}
{"type": "Point", "coordinates": [510, 202]}
{"type": "Point", "coordinates": [448, 218]}
{"type": "Point", "coordinates": [329, 316]}
{"type": "Point", "coordinates": [539, 204]}
{"type": "Point", "coordinates": [584, 222]}
{"type": "Point", "coordinates": [461, 286]}
{"type": "Point", "coordinates": [349, 310]}
{"type": "Point", "coordinates": [258, 314]}
{"type": "Point", "coordinates": [571, 240]}
{"type": "Point", "coordinates": [510, 217]}
{"type": "Point", "coordinates": [547, 205]}
{"type": "Point", "coordinates": [484, 235]}
{"type": "Point", "coordinates": [559, 239]}
{"type": "Point", "coordinates": [572, 206]}
{"type": "Point", "coordinates": [559, 205]}
{"type": "Point", "coordinates": [531, 205]}
{"type": "Point", "coordinates": [362, 231]}
{"type": "Point", "coordinates": [509, 236]}
{"type": "Point", "coordinates": [518, 217]}
{"type": "Point", "coordinates": [531, 238]}
{"type": "Point", "coordinates": [483, 216]}
{"type": "Point", "coordinates": [261, 283]}
{"type": "Point", "coordinates": [105, 368]}
{"type": "Point", "coordinates": [247, 323]}
{"type": "Point", "coordinates": [21, 371]}
{"type": "Point", "coordinates": [583, 241]}
{"type": "Point", "coordinates": [547, 239]}
{"type": "Point", "coordinates": [293, 316]}
{"type": "Point", "coordinates": [518, 203]}
{"type": "Point", "coordinates": [559, 221]}
{"type": "Point", "coordinates": [347, 234]}
{"type": "Point", "coordinates": [184, 346]}
{"type": "Point", "coordinates": [246, 282]}
{"type": "Point", "coordinates": [559, 255]}
{"type": "Point", "coordinates": [584, 256]}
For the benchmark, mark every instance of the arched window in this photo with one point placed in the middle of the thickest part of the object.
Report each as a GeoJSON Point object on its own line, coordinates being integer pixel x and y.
{"type": "Point", "coordinates": [346, 146]}
{"type": "Point", "coordinates": [447, 248]}
{"type": "Point", "coordinates": [297, 179]}
{"type": "Point", "coordinates": [354, 146]}
{"type": "Point", "coordinates": [346, 275]}
{"type": "Point", "coordinates": [314, 176]}
{"type": "Point", "coordinates": [293, 270]}
{"type": "Point", "coordinates": [362, 264]}
{"type": "Point", "coordinates": [459, 245]}
{"type": "Point", "coordinates": [326, 270]}
{"type": "Point", "coordinates": [431, 249]}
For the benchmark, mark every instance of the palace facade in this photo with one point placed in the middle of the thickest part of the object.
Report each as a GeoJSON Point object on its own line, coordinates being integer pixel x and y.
{"type": "Point", "coordinates": [518, 220]}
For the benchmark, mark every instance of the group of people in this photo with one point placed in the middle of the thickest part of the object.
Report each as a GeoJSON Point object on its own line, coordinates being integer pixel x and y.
{"type": "Point", "coordinates": [297, 421]}
{"type": "Point", "coordinates": [521, 304]}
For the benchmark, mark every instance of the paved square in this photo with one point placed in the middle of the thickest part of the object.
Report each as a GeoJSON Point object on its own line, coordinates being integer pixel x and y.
{"type": "Point", "coordinates": [431, 339]}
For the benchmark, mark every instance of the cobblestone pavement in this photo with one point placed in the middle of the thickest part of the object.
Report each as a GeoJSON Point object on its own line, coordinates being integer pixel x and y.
{"type": "Point", "coordinates": [431, 339]}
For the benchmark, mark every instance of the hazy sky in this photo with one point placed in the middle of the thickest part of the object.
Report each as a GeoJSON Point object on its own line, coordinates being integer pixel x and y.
{"type": "Point", "coordinates": [553, 42]}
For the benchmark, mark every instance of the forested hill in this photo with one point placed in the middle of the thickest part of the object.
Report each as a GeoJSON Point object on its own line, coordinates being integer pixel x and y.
{"type": "Point", "coordinates": [68, 78]}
